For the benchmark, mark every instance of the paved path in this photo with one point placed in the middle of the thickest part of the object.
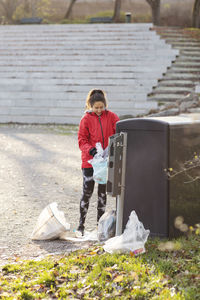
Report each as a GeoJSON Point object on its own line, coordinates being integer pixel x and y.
{"type": "Point", "coordinates": [38, 165]}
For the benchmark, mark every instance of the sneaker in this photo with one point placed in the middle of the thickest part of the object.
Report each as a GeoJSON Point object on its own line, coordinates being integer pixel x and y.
{"type": "Point", "coordinates": [80, 231]}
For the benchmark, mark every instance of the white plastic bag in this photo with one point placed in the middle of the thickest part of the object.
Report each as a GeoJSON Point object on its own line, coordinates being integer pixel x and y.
{"type": "Point", "coordinates": [51, 224]}
{"type": "Point", "coordinates": [88, 236]}
{"type": "Point", "coordinates": [133, 238]}
{"type": "Point", "coordinates": [100, 165]}
{"type": "Point", "coordinates": [107, 226]}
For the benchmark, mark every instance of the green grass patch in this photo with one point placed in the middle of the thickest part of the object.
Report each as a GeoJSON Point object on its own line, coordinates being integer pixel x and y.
{"type": "Point", "coordinates": [107, 13]}
{"type": "Point", "coordinates": [74, 21]}
{"type": "Point", "coordinates": [168, 270]}
{"type": "Point", "coordinates": [63, 129]}
{"type": "Point", "coordinates": [142, 18]}
{"type": "Point", "coordinates": [45, 128]}
{"type": "Point", "coordinates": [101, 14]}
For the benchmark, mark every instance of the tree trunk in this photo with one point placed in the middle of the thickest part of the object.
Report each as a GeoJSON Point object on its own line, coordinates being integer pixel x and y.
{"type": "Point", "coordinates": [33, 8]}
{"type": "Point", "coordinates": [27, 7]}
{"type": "Point", "coordinates": [155, 8]}
{"type": "Point", "coordinates": [116, 16]}
{"type": "Point", "coordinates": [69, 10]}
{"type": "Point", "coordinates": [196, 14]}
{"type": "Point", "coordinates": [9, 7]}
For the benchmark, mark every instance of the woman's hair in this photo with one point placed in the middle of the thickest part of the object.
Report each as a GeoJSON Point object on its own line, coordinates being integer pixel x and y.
{"type": "Point", "coordinates": [95, 95]}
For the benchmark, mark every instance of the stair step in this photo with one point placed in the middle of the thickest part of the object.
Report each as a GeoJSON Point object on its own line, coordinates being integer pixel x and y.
{"type": "Point", "coordinates": [171, 34]}
{"type": "Point", "coordinates": [184, 45]}
{"type": "Point", "coordinates": [83, 39]}
{"type": "Point", "coordinates": [186, 64]}
{"type": "Point", "coordinates": [67, 47]}
{"type": "Point", "coordinates": [175, 82]}
{"type": "Point", "coordinates": [182, 76]}
{"type": "Point", "coordinates": [187, 58]}
{"type": "Point", "coordinates": [188, 49]}
{"type": "Point", "coordinates": [166, 97]}
{"type": "Point", "coordinates": [175, 69]}
{"type": "Point", "coordinates": [51, 28]}
{"type": "Point", "coordinates": [181, 40]}
{"type": "Point", "coordinates": [194, 54]}
{"type": "Point", "coordinates": [127, 70]}
{"type": "Point", "coordinates": [76, 76]}
{"type": "Point", "coordinates": [83, 59]}
{"type": "Point", "coordinates": [106, 81]}
{"type": "Point", "coordinates": [140, 53]}
{"type": "Point", "coordinates": [172, 89]}
{"type": "Point", "coordinates": [66, 97]}
{"type": "Point", "coordinates": [62, 84]}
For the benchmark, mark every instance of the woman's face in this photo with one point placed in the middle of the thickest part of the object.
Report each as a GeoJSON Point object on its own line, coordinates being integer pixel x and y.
{"type": "Point", "coordinates": [98, 107]}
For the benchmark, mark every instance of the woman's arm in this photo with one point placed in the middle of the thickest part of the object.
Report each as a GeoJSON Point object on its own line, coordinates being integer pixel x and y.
{"type": "Point", "coordinates": [84, 137]}
{"type": "Point", "coordinates": [115, 119]}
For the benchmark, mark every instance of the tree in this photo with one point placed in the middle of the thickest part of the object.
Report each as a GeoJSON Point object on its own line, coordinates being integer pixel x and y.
{"type": "Point", "coordinates": [155, 7]}
{"type": "Point", "coordinates": [8, 6]}
{"type": "Point", "coordinates": [33, 8]}
{"type": "Point", "coordinates": [196, 14]}
{"type": "Point", "coordinates": [116, 16]}
{"type": "Point", "coordinates": [69, 10]}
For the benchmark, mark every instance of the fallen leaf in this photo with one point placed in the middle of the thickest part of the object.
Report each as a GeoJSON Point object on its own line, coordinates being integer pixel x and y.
{"type": "Point", "coordinates": [17, 258]}
{"type": "Point", "coordinates": [92, 252]}
{"type": "Point", "coordinates": [134, 275]}
{"type": "Point", "coordinates": [119, 278]}
{"type": "Point", "coordinates": [108, 269]}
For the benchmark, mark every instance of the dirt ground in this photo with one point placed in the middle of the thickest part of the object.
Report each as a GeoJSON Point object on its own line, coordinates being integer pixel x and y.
{"type": "Point", "coordinates": [39, 165]}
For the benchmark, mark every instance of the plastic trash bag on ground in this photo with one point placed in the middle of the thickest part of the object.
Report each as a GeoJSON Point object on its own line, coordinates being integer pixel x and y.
{"type": "Point", "coordinates": [100, 165]}
{"type": "Point", "coordinates": [88, 236]}
{"type": "Point", "coordinates": [51, 224]}
{"type": "Point", "coordinates": [133, 238]}
{"type": "Point", "coordinates": [107, 226]}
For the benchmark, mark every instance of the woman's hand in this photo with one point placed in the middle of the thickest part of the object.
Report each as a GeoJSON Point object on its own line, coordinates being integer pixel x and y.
{"type": "Point", "coordinates": [93, 151]}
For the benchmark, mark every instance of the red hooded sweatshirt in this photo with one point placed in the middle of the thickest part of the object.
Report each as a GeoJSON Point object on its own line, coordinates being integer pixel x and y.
{"type": "Point", "coordinates": [94, 129]}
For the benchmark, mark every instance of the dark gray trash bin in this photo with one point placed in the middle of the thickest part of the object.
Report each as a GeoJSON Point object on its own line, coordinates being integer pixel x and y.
{"type": "Point", "coordinates": [153, 146]}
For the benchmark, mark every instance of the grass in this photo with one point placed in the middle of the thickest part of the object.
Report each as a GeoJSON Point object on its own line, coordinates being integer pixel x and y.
{"type": "Point", "coordinates": [86, 19]}
{"type": "Point", "coordinates": [163, 272]}
{"type": "Point", "coordinates": [108, 13]}
{"type": "Point", "coordinates": [64, 129]}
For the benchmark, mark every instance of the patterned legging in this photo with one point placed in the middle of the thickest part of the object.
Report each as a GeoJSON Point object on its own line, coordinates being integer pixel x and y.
{"type": "Point", "coordinates": [88, 188]}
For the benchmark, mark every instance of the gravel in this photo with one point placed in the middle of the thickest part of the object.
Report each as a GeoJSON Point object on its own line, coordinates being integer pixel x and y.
{"type": "Point", "coordinates": [39, 164]}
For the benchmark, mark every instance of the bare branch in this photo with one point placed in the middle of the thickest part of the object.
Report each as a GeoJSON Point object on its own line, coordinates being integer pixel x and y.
{"type": "Point", "coordinates": [193, 179]}
{"type": "Point", "coordinates": [187, 166]}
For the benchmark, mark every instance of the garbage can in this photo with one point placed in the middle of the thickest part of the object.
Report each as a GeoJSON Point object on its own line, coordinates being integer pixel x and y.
{"type": "Point", "coordinates": [154, 146]}
{"type": "Point", "coordinates": [128, 17]}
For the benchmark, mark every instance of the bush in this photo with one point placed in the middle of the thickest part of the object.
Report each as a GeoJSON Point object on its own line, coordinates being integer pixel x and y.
{"type": "Point", "coordinates": [42, 9]}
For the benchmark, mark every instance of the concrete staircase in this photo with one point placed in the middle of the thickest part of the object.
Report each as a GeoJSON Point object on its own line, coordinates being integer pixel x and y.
{"type": "Point", "coordinates": [46, 71]}
{"type": "Point", "coordinates": [183, 75]}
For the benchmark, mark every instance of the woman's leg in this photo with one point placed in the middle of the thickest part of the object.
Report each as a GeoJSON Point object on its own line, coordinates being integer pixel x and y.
{"type": "Point", "coordinates": [101, 206]}
{"type": "Point", "coordinates": [88, 188]}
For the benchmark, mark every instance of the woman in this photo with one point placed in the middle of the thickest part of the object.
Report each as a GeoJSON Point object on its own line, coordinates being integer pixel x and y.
{"type": "Point", "coordinates": [96, 125]}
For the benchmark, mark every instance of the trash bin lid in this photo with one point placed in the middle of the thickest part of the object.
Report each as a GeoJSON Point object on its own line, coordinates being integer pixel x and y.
{"type": "Point", "coordinates": [157, 123]}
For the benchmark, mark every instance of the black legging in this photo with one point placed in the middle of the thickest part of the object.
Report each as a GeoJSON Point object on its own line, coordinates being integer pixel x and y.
{"type": "Point", "coordinates": [88, 188]}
